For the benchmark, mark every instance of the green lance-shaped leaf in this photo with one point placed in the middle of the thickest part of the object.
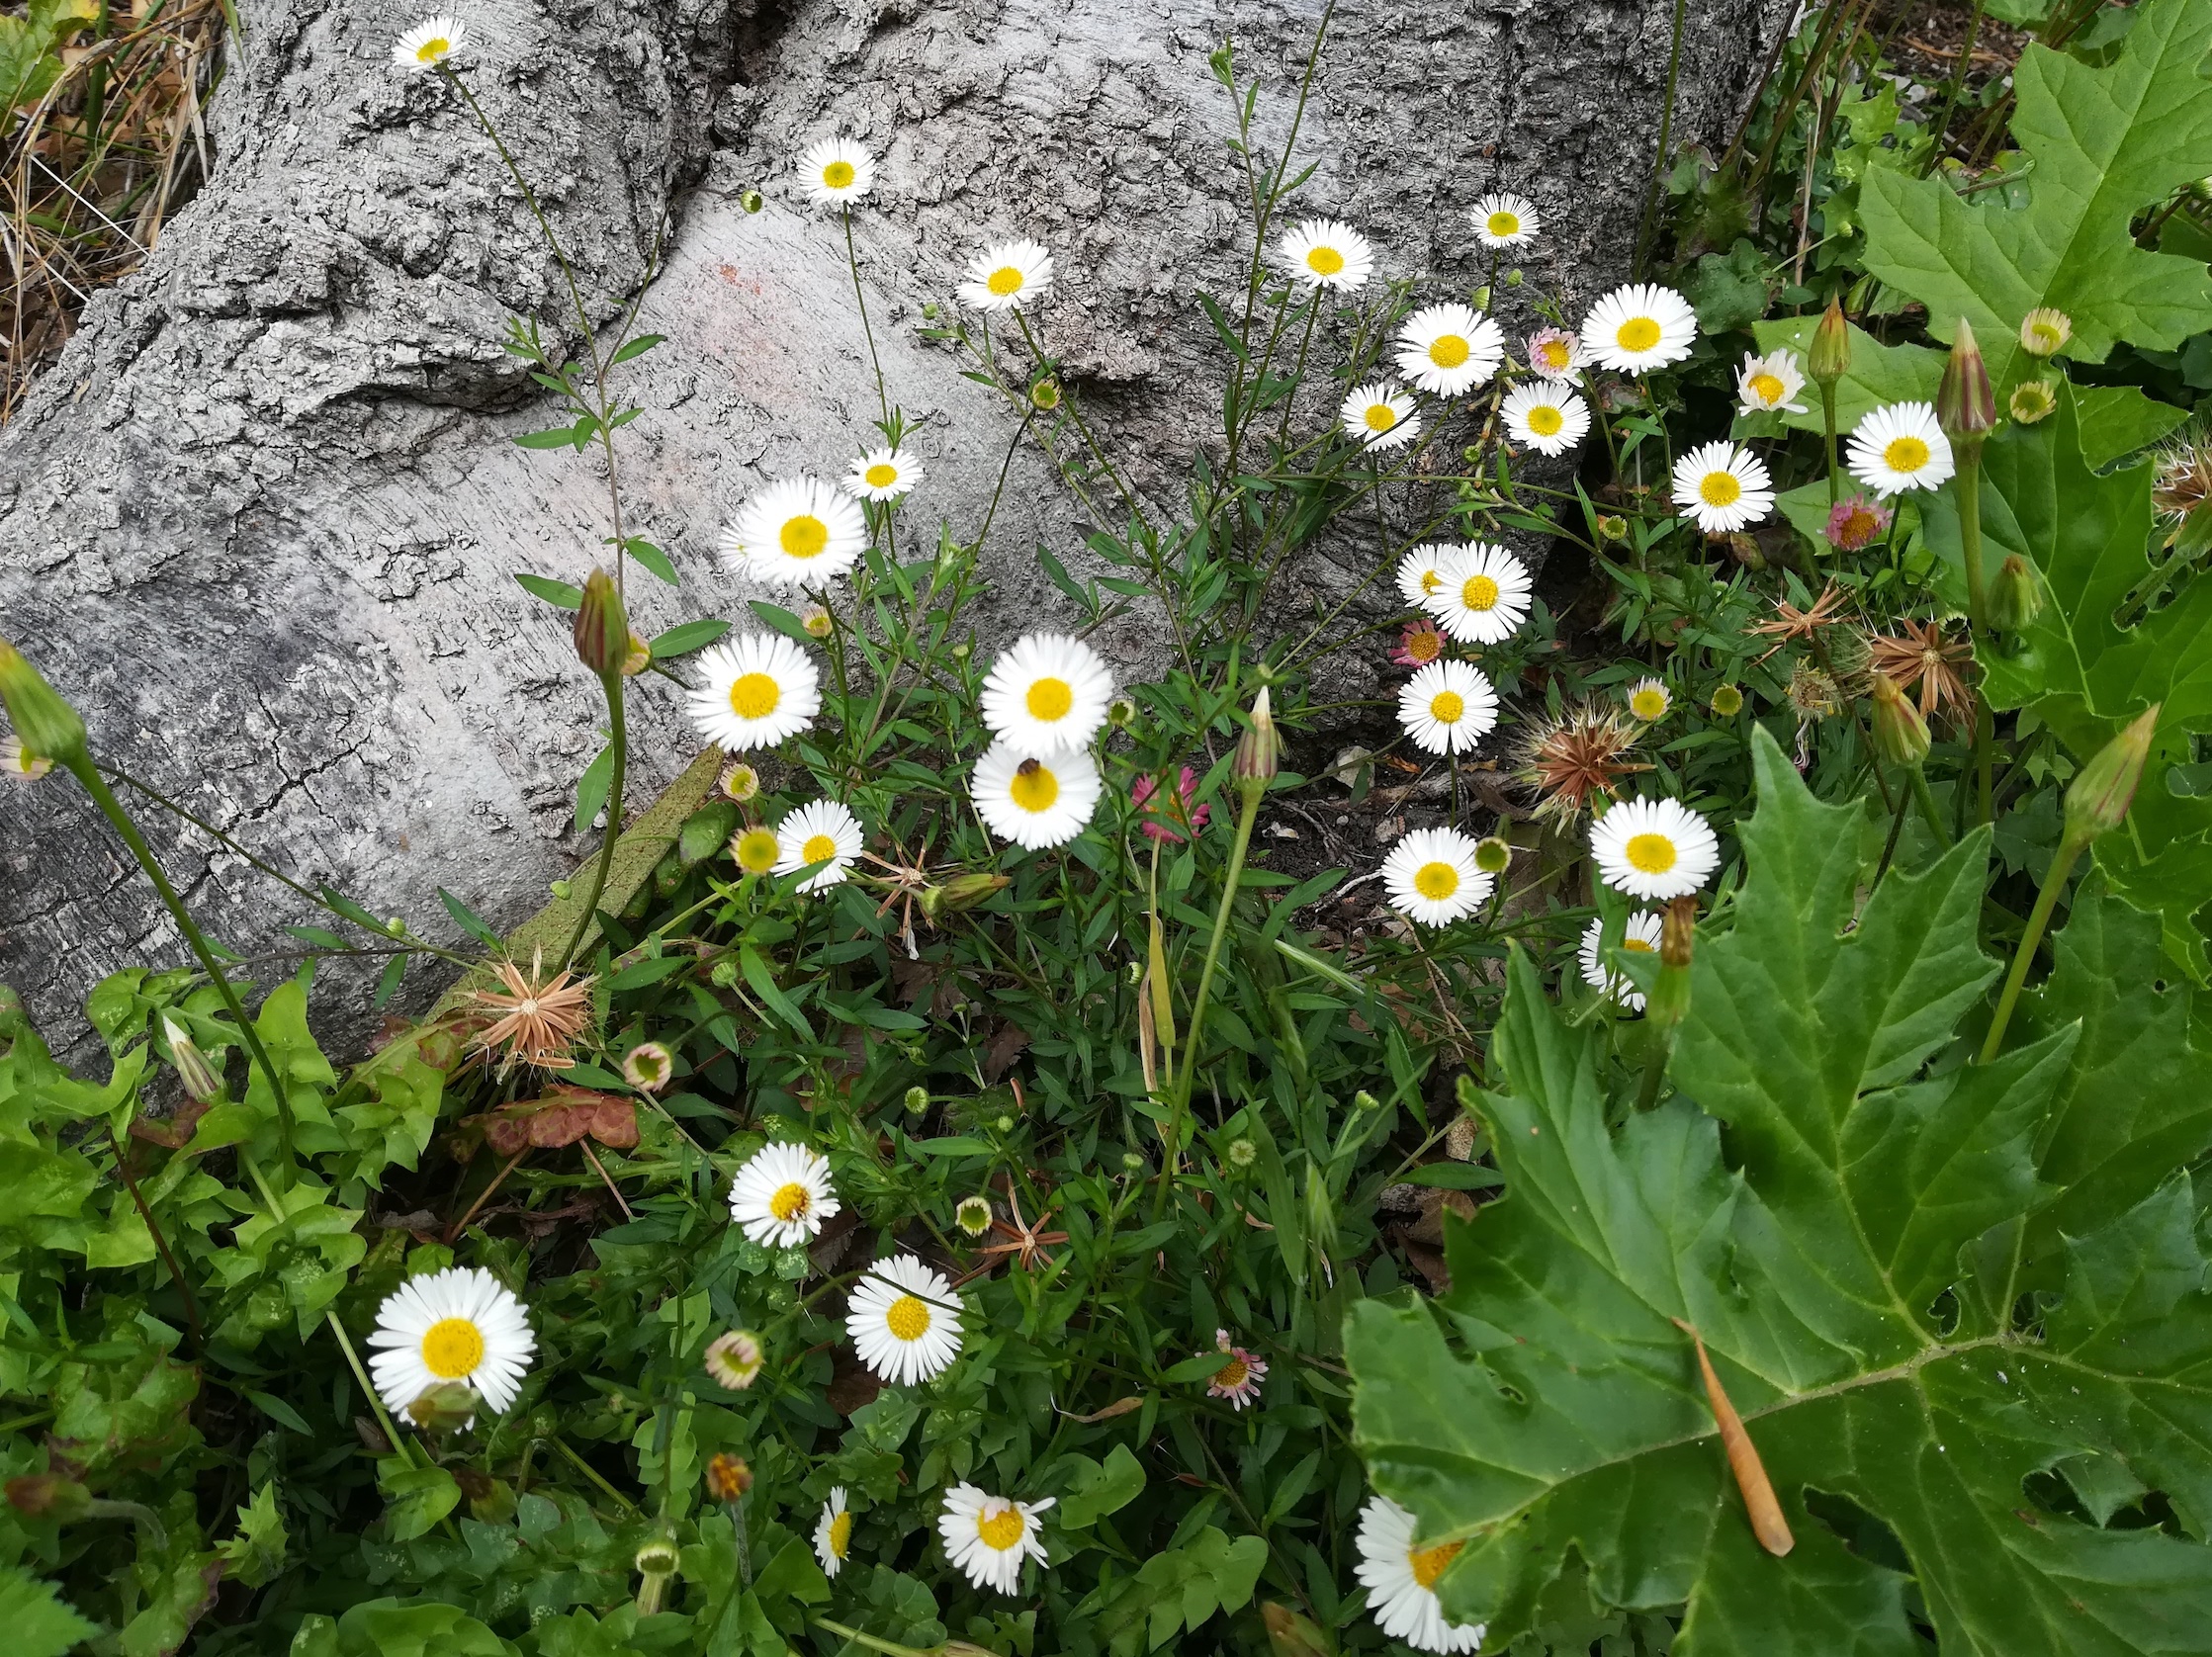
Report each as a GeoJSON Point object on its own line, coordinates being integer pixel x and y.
{"type": "Point", "coordinates": [1840, 1220]}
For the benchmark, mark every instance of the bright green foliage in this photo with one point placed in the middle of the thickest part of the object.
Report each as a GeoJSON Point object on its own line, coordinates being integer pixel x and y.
{"type": "Point", "coordinates": [39, 1624]}
{"type": "Point", "coordinates": [1845, 1221]}
{"type": "Point", "coordinates": [2104, 143]}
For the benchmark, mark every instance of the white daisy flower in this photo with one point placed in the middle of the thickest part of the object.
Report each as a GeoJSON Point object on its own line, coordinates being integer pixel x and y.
{"type": "Point", "coordinates": [799, 532]}
{"type": "Point", "coordinates": [1400, 1580]}
{"type": "Point", "coordinates": [1723, 486]}
{"type": "Point", "coordinates": [429, 43]}
{"type": "Point", "coordinates": [1485, 594]}
{"type": "Point", "coordinates": [819, 829]}
{"type": "Point", "coordinates": [1768, 383]}
{"type": "Point", "coordinates": [1650, 700]}
{"type": "Point", "coordinates": [782, 1195]}
{"type": "Point", "coordinates": [1640, 327]}
{"type": "Point", "coordinates": [1555, 353]}
{"type": "Point", "coordinates": [755, 850]}
{"type": "Point", "coordinates": [1326, 253]}
{"type": "Point", "coordinates": [1035, 797]}
{"type": "Point", "coordinates": [904, 1320]}
{"type": "Point", "coordinates": [988, 1536]}
{"type": "Point", "coordinates": [1048, 690]}
{"type": "Point", "coordinates": [1431, 877]}
{"type": "Point", "coordinates": [837, 172]}
{"type": "Point", "coordinates": [1546, 417]}
{"type": "Point", "coordinates": [832, 1533]}
{"type": "Point", "coordinates": [1653, 849]}
{"type": "Point", "coordinates": [1421, 571]}
{"type": "Point", "coordinates": [1642, 933]}
{"type": "Point", "coordinates": [17, 763]}
{"type": "Point", "coordinates": [1448, 349]}
{"type": "Point", "coordinates": [1505, 220]}
{"type": "Point", "coordinates": [883, 474]}
{"type": "Point", "coordinates": [1448, 707]}
{"type": "Point", "coordinates": [1379, 415]}
{"type": "Point", "coordinates": [1006, 276]}
{"type": "Point", "coordinates": [1897, 447]}
{"type": "Point", "coordinates": [759, 689]}
{"type": "Point", "coordinates": [455, 1324]}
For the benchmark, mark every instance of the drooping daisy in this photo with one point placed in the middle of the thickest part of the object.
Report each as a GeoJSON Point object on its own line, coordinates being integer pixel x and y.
{"type": "Point", "coordinates": [1047, 691]}
{"type": "Point", "coordinates": [1419, 643]}
{"type": "Point", "coordinates": [1653, 849]}
{"type": "Point", "coordinates": [799, 532]}
{"type": "Point", "coordinates": [1035, 798]}
{"type": "Point", "coordinates": [1237, 1380]}
{"type": "Point", "coordinates": [429, 43]}
{"type": "Point", "coordinates": [1642, 933]}
{"type": "Point", "coordinates": [1768, 383]}
{"type": "Point", "coordinates": [1326, 253]}
{"type": "Point", "coordinates": [758, 689]}
{"type": "Point", "coordinates": [837, 172]}
{"type": "Point", "coordinates": [1722, 487]}
{"type": "Point", "coordinates": [1400, 1580]}
{"type": "Point", "coordinates": [734, 1359]}
{"type": "Point", "coordinates": [904, 1320]}
{"type": "Point", "coordinates": [1448, 707]}
{"type": "Point", "coordinates": [832, 1533]}
{"type": "Point", "coordinates": [782, 1195]}
{"type": "Point", "coordinates": [1379, 415]}
{"type": "Point", "coordinates": [1421, 571]}
{"type": "Point", "coordinates": [1505, 220]}
{"type": "Point", "coordinates": [17, 763]}
{"type": "Point", "coordinates": [820, 832]}
{"type": "Point", "coordinates": [1650, 700]}
{"type": "Point", "coordinates": [1546, 417]}
{"type": "Point", "coordinates": [1432, 877]}
{"type": "Point", "coordinates": [1448, 349]}
{"type": "Point", "coordinates": [1483, 596]}
{"type": "Point", "coordinates": [1897, 447]}
{"type": "Point", "coordinates": [988, 1536]}
{"type": "Point", "coordinates": [460, 1324]}
{"type": "Point", "coordinates": [1555, 353]}
{"type": "Point", "coordinates": [883, 474]}
{"type": "Point", "coordinates": [1007, 276]}
{"type": "Point", "coordinates": [648, 1066]}
{"type": "Point", "coordinates": [755, 850]}
{"type": "Point", "coordinates": [1640, 327]}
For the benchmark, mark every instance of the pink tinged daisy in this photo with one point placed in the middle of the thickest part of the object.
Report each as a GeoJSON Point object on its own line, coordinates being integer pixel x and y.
{"type": "Point", "coordinates": [799, 532]}
{"type": "Point", "coordinates": [1640, 327]}
{"type": "Point", "coordinates": [782, 1195]}
{"type": "Point", "coordinates": [1007, 276]}
{"type": "Point", "coordinates": [1641, 934]}
{"type": "Point", "coordinates": [758, 689]}
{"type": "Point", "coordinates": [904, 1321]}
{"type": "Point", "coordinates": [1544, 416]}
{"type": "Point", "coordinates": [837, 172]}
{"type": "Point", "coordinates": [1856, 523]}
{"type": "Point", "coordinates": [1448, 349]}
{"type": "Point", "coordinates": [1555, 353]}
{"type": "Point", "coordinates": [1653, 849]}
{"type": "Point", "coordinates": [1326, 253]}
{"type": "Point", "coordinates": [648, 1066]}
{"type": "Point", "coordinates": [1379, 415]}
{"type": "Point", "coordinates": [1485, 594]}
{"type": "Point", "coordinates": [1237, 1380]}
{"type": "Point", "coordinates": [1769, 385]}
{"type": "Point", "coordinates": [1173, 814]}
{"type": "Point", "coordinates": [459, 1325]}
{"type": "Point", "coordinates": [1722, 487]}
{"type": "Point", "coordinates": [1420, 643]}
{"type": "Point", "coordinates": [989, 1537]}
{"type": "Point", "coordinates": [1897, 447]}
{"type": "Point", "coordinates": [1448, 707]}
{"type": "Point", "coordinates": [733, 1359]}
{"type": "Point", "coordinates": [1400, 1578]}
{"type": "Point", "coordinates": [1505, 220]}
{"type": "Point", "coordinates": [1433, 877]}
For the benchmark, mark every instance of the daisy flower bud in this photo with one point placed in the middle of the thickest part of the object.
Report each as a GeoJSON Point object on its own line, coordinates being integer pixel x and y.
{"type": "Point", "coordinates": [1830, 356]}
{"type": "Point", "coordinates": [1855, 523]}
{"type": "Point", "coordinates": [962, 893]}
{"type": "Point", "coordinates": [2044, 331]}
{"type": "Point", "coordinates": [1045, 396]}
{"type": "Point", "coordinates": [733, 1359]}
{"type": "Point", "coordinates": [602, 630]}
{"type": "Point", "coordinates": [17, 763]}
{"type": "Point", "coordinates": [1965, 406]}
{"type": "Point", "coordinates": [1492, 854]}
{"type": "Point", "coordinates": [1242, 1153]}
{"type": "Point", "coordinates": [2016, 597]}
{"type": "Point", "coordinates": [193, 1070]}
{"type": "Point", "coordinates": [973, 1215]}
{"type": "Point", "coordinates": [1260, 748]}
{"type": "Point", "coordinates": [45, 725]}
{"type": "Point", "coordinates": [648, 1066]}
{"type": "Point", "coordinates": [444, 1408]}
{"type": "Point", "coordinates": [2097, 800]}
{"type": "Point", "coordinates": [739, 782]}
{"type": "Point", "coordinates": [1727, 701]}
{"type": "Point", "coordinates": [655, 1563]}
{"type": "Point", "coordinates": [816, 619]}
{"type": "Point", "coordinates": [2032, 402]}
{"type": "Point", "coordinates": [751, 201]}
{"type": "Point", "coordinates": [1901, 734]}
{"type": "Point", "coordinates": [918, 1100]}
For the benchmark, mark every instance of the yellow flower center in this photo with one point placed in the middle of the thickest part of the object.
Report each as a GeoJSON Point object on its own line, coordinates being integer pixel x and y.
{"type": "Point", "coordinates": [1324, 261]}
{"type": "Point", "coordinates": [1425, 646]}
{"type": "Point", "coordinates": [792, 1201]}
{"type": "Point", "coordinates": [1446, 706]}
{"type": "Point", "coordinates": [1429, 1562]}
{"type": "Point", "coordinates": [432, 49]}
{"type": "Point", "coordinates": [838, 174]}
{"type": "Point", "coordinates": [1638, 333]}
{"type": "Point", "coordinates": [1480, 592]}
{"type": "Point", "coordinates": [452, 1348]}
{"type": "Point", "coordinates": [1007, 279]}
{"type": "Point", "coordinates": [753, 695]}
{"type": "Point", "coordinates": [1649, 704]}
{"type": "Point", "coordinates": [1436, 881]}
{"type": "Point", "coordinates": [819, 848]}
{"type": "Point", "coordinates": [1448, 351]}
{"type": "Point", "coordinates": [1380, 416]}
{"type": "Point", "coordinates": [881, 476]}
{"type": "Point", "coordinates": [1905, 454]}
{"type": "Point", "coordinates": [1034, 787]}
{"type": "Point", "coordinates": [757, 852]}
{"type": "Point", "coordinates": [1505, 223]}
{"type": "Point", "coordinates": [1766, 387]}
{"type": "Point", "coordinates": [1653, 855]}
{"type": "Point", "coordinates": [1001, 1531]}
{"type": "Point", "coordinates": [1721, 488]}
{"type": "Point", "coordinates": [2047, 335]}
{"type": "Point", "coordinates": [1050, 699]}
{"type": "Point", "coordinates": [1635, 944]}
{"type": "Point", "coordinates": [906, 1318]}
{"type": "Point", "coordinates": [1557, 353]}
{"type": "Point", "coordinates": [1231, 1374]}
{"type": "Point", "coordinates": [1430, 580]}
{"type": "Point", "coordinates": [1546, 421]}
{"type": "Point", "coordinates": [841, 1534]}
{"type": "Point", "coordinates": [804, 536]}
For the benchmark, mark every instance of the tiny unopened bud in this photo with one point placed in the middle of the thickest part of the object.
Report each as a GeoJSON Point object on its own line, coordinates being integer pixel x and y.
{"type": "Point", "coordinates": [1830, 357]}
{"type": "Point", "coordinates": [559, 888]}
{"type": "Point", "coordinates": [1727, 701]}
{"type": "Point", "coordinates": [447, 1407]}
{"type": "Point", "coordinates": [962, 892]}
{"type": "Point", "coordinates": [1243, 1153]}
{"type": "Point", "coordinates": [728, 1477]}
{"type": "Point", "coordinates": [1005, 1125]}
{"type": "Point", "coordinates": [1901, 734]}
{"type": "Point", "coordinates": [45, 725]}
{"type": "Point", "coordinates": [648, 1066]}
{"type": "Point", "coordinates": [1364, 1100]}
{"type": "Point", "coordinates": [973, 1215]}
{"type": "Point", "coordinates": [2044, 331]}
{"type": "Point", "coordinates": [739, 782]}
{"type": "Point", "coordinates": [1259, 747]}
{"type": "Point", "coordinates": [1613, 528]}
{"type": "Point", "coordinates": [1492, 855]}
{"type": "Point", "coordinates": [193, 1070]}
{"type": "Point", "coordinates": [2097, 800]}
{"type": "Point", "coordinates": [602, 630]}
{"type": "Point", "coordinates": [1221, 63]}
{"type": "Point", "coordinates": [655, 1563]}
{"type": "Point", "coordinates": [1965, 406]}
{"type": "Point", "coordinates": [1512, 278]}
{"type": "Point", "coordinates": [1045, 394]}
{"type": "Point", "coordinates": [2032, 402]}
{"type": "Point", "coordinates": [816, 619]}
{"type": "Point", "coordinates": [639, 656]}
{"type": "Point", "coordinates": [1678, 931]}
{"type": "Point", "coordinates": [929, 312]}
{"type": "Point", "coordinates": [1482, 298]}
{"type": "Point", "coordinates": [2017, 596]}
{"type": "Point", "coordinates": [48, 1496]}
{"type": "Point", "coordinates": [962, 650]}
{"type": "Point", "coordinates": [395, 926]}
{"type": "Point", "coordinates": [751, 201]}
{"type": "Point", "coordinates": [725, 973]}
{"type": "Point", "coordinates": [918, 1100]}
{"type": "Point", "coordinates": [1131, 1161]}
{"type": "Point", "coordinates": [1122, 710]}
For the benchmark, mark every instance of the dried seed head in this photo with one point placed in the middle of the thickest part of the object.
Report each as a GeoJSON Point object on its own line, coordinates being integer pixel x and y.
{"type": "Point", "coordinates": [1578, 760]}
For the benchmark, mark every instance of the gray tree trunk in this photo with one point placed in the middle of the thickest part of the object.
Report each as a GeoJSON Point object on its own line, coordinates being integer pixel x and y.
{"type": "Point", "coordinates": [260, 521]}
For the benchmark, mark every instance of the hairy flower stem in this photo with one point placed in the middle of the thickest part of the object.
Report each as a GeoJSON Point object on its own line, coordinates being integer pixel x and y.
{"type": "Point", "coordinates": [400, 1446]}
{"type": "Point", "coordinates": [618, 740]}
{"type": "Point", "coordinates": [1977, 613]}
{"type": "Point", "coordinates": [161, 1242]}
{"type": "Point", "coordinates": [1827, 429]}
{"type": "Point", "coordinates": [96, 785]}
{"type": "Point", "coordinates": [2054, 883]}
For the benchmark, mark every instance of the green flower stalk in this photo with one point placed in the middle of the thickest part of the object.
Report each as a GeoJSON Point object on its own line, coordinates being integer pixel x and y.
{"type": "Point", "coordinates": [1966, 410]}
{"type": "Point", "coordinates": [1669, 1002]}
{"type": "Point", "coordinates": [603, 641]}
{"type": "Point", "coordinates": [1827, 363]}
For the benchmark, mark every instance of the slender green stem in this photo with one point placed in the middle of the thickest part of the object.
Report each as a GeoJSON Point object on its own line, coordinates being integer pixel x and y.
{"type": "Point", "coordinates": [1827, 428]}
{"type": "Point", "coordinates": [619, 740]}
{"type": "Point", "coordinates": [1654, 1068]}
{"type": "Point", "coordinates": [2054, 883]}
{"type": "Point", "coordinates": [392, 1433]}
{"type": "Point", "coordinates": [1890, 845]}
{"type": "Point", "coordinates": [853, 261]}
{"type": "Point", "coordinates": [111, 809]}
{"type": "Point", "coordinates": [1942, 123]}
{"type": "Point", "coordinates": [593, 1473]}
{"type": "Point", "coordinates": [1927, 807]}
{"type": "Point", "coordinates": [872, 1643]}
{"type": "Point", "coordinates": [1649, 225]}
{"type": "Point", "coordinates": [1977, 613]}
{"type": "Point", "coordinates": [161, 1242]}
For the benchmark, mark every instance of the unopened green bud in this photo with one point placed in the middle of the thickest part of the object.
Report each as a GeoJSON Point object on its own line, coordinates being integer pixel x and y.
{"type": "Point", "coordinates": [1512, 278]}
{"type": "Point", "coordinates": [1364, 1100]}
{"type": "Point", "coordinates": [1131, 1161]}
{"type": "Point", "coordinates": [725, 973]}
{"type": "Point", "coordinates": [1727, 701]}
{"type": "Point", "coordinates": [445, 1408]}
{"type": "Point", "coordinates": [1221, 63]}
{"type": "Point", "coordinates": [751, 201]}
{"type": "Point", "coordinates": [1669, 999]}
{"type": "Point", "coordinates": [1965, 406]}
{"type": "Point", "coordinates": [46, 724]}
{"type": "Point", "coordinates": [602, 630]}
{"type": "Point", "coordinates": [2016, 597]}
{"type": "Point", "coordinates": [918, 1100]}
{"type": "Point", "coordinates": [1243, 1153]}
{"type": "Point", "coordinates": [559, 888]}
{"type": "Point", "coordinates": [655, 1563]}
{"type": "Point", "coordinates": [1830, 358]}
{"type": "Point", "coordinates": [48, 1496]}
{"type": "Point", "coordinates": [1613, 528]}
{"type": "Point", "coordinates": [198, 1076]}
{"type": "Point", "coordinates": [1901, 734]}
{"type": "Point", "coordinates": [2033, 401]}
{"type": "Point", "coordinates": [1045, 394]}
{"type": "Point", "coordinates": [1005, 1125]}
{"type": "Point", "coordinates": [1482, 298]}
{"type": "Point", "coordinates": [395, 927]}
{"type": "Point", "coordinates": [962, 892]}
{"type": "Point", "coordinates": [2098, 800]}
{"type": "Point", "coordinates": [1259, 747]}
{"type": "Point", "coordinates": [1122, 710]}
{"type": "Point", "coordinates": [1492, 854]}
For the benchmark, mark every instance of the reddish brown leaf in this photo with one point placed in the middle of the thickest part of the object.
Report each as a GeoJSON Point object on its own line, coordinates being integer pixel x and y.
{"type": "Point", "coordinates": [1005, 1048]}
{"type": "Point", "coordinates": [1767, 1521]}
{"type": "Point", "coordinates": [172, 1132]}
{"type": "Point", "coordinates": [853, 1384]}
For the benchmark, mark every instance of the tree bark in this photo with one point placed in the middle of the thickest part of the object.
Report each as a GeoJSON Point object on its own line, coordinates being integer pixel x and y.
{"type": "Point", "coordinates": [260, 521]}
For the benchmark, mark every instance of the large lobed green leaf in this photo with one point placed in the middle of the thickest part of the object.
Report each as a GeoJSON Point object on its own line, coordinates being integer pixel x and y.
{"type": "Point", "coordinates": [1857, 1223]}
